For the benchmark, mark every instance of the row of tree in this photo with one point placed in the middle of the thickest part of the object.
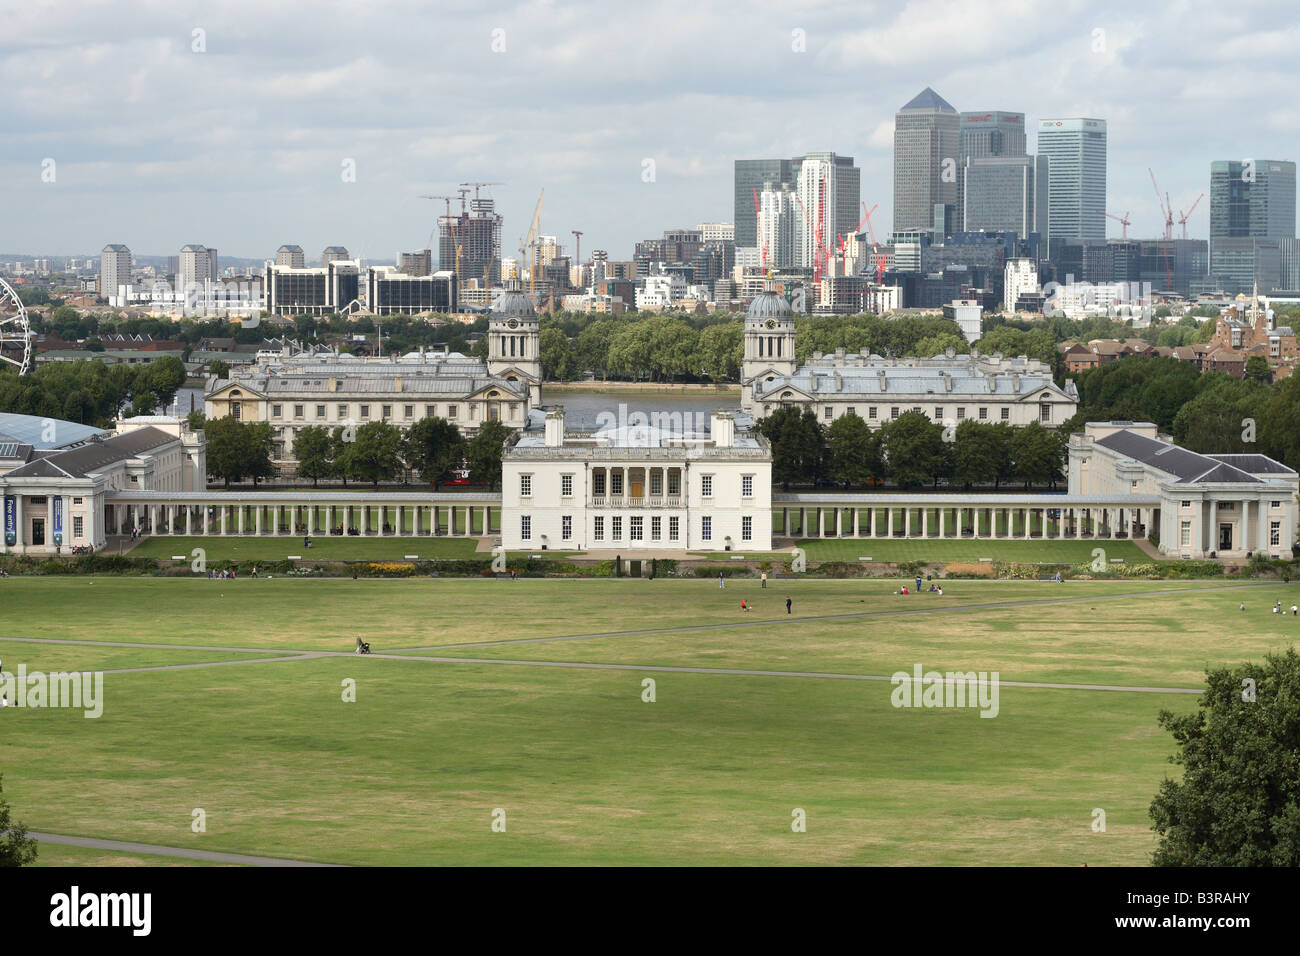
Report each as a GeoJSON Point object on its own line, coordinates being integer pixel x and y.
{"type": "Point", "coordinates": [92, 393]}
{"type": "Point", "coordinates": [909, 452]}
{"type": "Point", "coordinates": [376, 452]}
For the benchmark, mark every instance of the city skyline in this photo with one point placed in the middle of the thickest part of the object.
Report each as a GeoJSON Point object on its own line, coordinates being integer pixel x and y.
{"type": "Point", "coordinates": [245, 144]}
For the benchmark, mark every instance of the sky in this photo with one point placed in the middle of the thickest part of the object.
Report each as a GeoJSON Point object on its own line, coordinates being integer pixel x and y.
{"type": "Point", "coordinates": [247, 125]}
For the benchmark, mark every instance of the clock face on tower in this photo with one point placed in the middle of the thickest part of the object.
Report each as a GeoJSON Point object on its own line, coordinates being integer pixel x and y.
{"type": "Point", "coordinates": [771, 323]}
{"type": "Point", "coordinates": [513, 323]}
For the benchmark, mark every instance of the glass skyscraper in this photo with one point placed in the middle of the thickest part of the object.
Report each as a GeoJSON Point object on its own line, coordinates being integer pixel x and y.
{"type": "Point", "coordinates": [751, 174]}
{"type": "Point", "coordinates": [1076, 155]}
{"type": "Point", "coordinates": [1252, 208]}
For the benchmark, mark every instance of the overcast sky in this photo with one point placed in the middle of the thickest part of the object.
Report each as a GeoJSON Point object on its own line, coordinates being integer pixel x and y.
{"type": "Point", "coordinates": [243, 146]}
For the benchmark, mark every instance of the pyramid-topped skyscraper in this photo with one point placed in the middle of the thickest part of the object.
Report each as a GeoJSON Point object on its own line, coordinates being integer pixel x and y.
{"type": "Point", "coordinates": [926, 135]}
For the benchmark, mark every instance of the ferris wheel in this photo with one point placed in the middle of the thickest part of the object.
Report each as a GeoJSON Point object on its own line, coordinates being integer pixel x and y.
{"type": "Point", "coordinates": [15, 330]}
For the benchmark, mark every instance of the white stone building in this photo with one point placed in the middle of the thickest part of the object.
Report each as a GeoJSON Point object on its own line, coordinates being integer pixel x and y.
{"type": "Point", "coordinates": [633, 487]}
{"type": "Point", "coordinates": [1225, 506]}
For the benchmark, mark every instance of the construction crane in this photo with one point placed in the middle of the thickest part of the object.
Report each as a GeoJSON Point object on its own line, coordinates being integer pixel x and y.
{"type": "Point", "coordinates": [526, 245]}
{"type": "Point", "coordinates": [447, 200]}
{"type": "Point", "coordinates": [1168, 213]}
{"type": "Point", "coordinates": [477, 186]}
{"type": "Point", "coordinates": [1124, 222]}
{"type": "Point", "coordinates": [758, 223]}
{"type": "Point", "coordinates": [875, 249]}
{"type": "Point", "coordinates": [1184, 216]}
{"type": "Point", "coordinates": [842, 248]}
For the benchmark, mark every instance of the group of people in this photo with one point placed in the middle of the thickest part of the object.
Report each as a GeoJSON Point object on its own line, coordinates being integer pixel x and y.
{"type": "Point", "coordinates": [216, 575]}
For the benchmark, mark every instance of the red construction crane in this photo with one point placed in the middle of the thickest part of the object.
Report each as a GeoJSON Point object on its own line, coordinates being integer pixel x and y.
{"type": "Point", "coordinates": [1184, 216]}
{"type": "Point", "coordinates": [1123, 221]}
{"type": "Point", "coordinates": [875, 249]}
{"type": "Point", "coordinates": [1167, 212]}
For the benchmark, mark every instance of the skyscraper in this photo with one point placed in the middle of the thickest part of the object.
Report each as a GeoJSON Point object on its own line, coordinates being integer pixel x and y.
{"type": "Point", "coordinates": [751, 174]}
{"type": "Point", "coordinates": [926, 139]}
{"type": "Point", "coordinates": [829, 191]}
{"type": "Point", "coordinates": [290, 257]}
{"type": "Point", "coordinates": [1252, 209]}
{"type": "Point", "coordinates": [998, 195]}
{"type": "Point", "coordinates": [1076, 154]}
{"type": "Point", "coordinates": [992, 134]}
{"type": "Point", "coordinates": [196, 266]}
{"type": "Point", "coordinates": [114, 271]}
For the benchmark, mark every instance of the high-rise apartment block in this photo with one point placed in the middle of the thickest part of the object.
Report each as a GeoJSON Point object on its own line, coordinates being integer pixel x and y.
{"type": "Point", "coordinates": [115, 272]}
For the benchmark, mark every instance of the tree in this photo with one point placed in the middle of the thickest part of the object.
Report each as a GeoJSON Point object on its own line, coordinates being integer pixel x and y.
{"type": "Point", "coordinates": [721, 350]}
{"type": "Point", "coordinates": [219, 367]}
{"type": "Point", "coordinates": [162, 377]}
{"type": "Point", "coordinates": [798, 446]}
{"type": "Point", "coordinates": [483, 452]}
{"type": "Point", "coordinates": [853, 452]}
{"type": "Point", "coordinates": [434, 446]}
{"type": "Point", "coordinates": [556, 355]}
{"type": "Point", "coordinates": [1036, 453]}
{"type": "Point", "coordinates": [1258, 370]}
{"type": "Point", "coordinates": [1216, 420]}
{"type": "Point", "coordinates": [376, 453]}
{"type": "Point", "coordinates": [196, 421]}
{"type": "Point", "coordinates": [312, 448]}
{"type": "Point", "coordinates": [933, 345]}
{"type": "Point", "coordinates": [1279, 422]}
{"type": "Point", "coordinates": [976, 453]}
{"type": "Point", "coordinates": [237, 450]}
{"type": "Point", "coordinates": [144, 404]}
{"type": "Point", "coordinates": [1238, 802]}
{"type": "Point", "coordinates": [16, 847]}
{"type": "Point", "coordinates": [913, 449]}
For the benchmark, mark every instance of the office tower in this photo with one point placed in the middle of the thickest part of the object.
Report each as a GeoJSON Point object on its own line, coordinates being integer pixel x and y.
{"type": "Point", "coordinates": [334, 254]}
{"type": "Point", "coordinates": [750, 175]}
{"type": "Point", "coordinates": [1076, 154]}
{"type": "Point", "coordinates": [114, 271]}
{"type": "Point", "coordinates": [197, 265]}
{"type": "Point", "coordinates": [829, 189]}
{"type": "Point", "coordinates": [717, 231]}
{"type": "Point", "coordinates": [777, 225]}
{"type": "Point", "coordinates": [990, 134]}
{"type": "Point", "coordinates": [469, 243]}
{"type": "Point", "coordinates": [290, 257]}
{"type": "Point", "coordinates": [415, 263]}
{"type": "Point", "coordinates": [998, 195]}
{"type": "Point", "coordinates": [926, 139]}
{"type": "Point", "coordinates": [1252, 208]}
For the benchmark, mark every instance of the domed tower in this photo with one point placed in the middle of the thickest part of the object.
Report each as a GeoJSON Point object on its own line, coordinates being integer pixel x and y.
{"type": "Point", "coordinates": [514, 340]}
{"type": "Point", "coordinates": [769, 342]}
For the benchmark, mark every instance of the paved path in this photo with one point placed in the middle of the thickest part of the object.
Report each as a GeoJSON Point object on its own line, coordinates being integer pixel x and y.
{"type": "Point", "coordinates": [211, 856]}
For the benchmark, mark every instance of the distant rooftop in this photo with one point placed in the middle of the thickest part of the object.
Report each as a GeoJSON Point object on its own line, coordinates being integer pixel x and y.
{"type": "Point", "coordinates": [928, 99]}
{"type": "Point", "coordinates": [44, 434]}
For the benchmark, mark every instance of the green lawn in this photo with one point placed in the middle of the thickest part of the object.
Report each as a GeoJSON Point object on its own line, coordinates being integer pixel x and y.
{"type": "Point", "coordinates": [323, 548]}
{"type": "Point", "coordinates": [588, 773]}
{"type": "Point", "coordinates": [967, 550]}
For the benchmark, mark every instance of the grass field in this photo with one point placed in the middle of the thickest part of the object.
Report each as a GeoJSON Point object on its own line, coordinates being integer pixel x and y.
{"type": "Point", "coordinates": [323, 548]}
{"type": "Point", "coordinates": [584, 769]}
{"type": "Point", "coordinates": [949, 550]}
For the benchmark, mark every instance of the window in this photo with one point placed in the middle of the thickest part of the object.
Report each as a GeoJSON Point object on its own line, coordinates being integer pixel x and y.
{"type": "Point", "coordinates": [673, 525]}
{"type": "Point", "coordinates": [961, 413]}
{"type": "Point", "coordinates": [275, 411]}
{"type": "Point", "coordinates": [598, 528]}
{"type": "Point", "coordinates": [566, 527]}
{"type": "Point", "coordinates": [850, 410]}
{"type": "Point", "coordinates": [1227, 506]}
{"type": "Point", "coordinates": [1274, 533]}
{"type": "Point", "coordinates": [320, 411]}
{"type": "Point", "coordinates": [706, 528]}
{"type": "Point", "coordinates": [893, 412]}
{"type": "Point", "coordinates": [656, 483]}
{"type": "Point", "coordinates": [451, 411]}
{"type": "Point", "coordinates": [298, 411]}
{"type": "Point", "coordinates": [430, 411]}
{"type": "Point", "coordinates": [984, 414]}
{"type": "Point", "coordinates": [525, 527]}
{"type": "Point", "coordinates": [409, 411]}
{"type": "Point", "coordinates": [938, 413]}
{"type": "Point", "coordinates": [1044, 413]}
{"type": "Point", "coordinates": [388, 412]}
{"type": "Point", "coordinates": [234, 410]}
{"type": "Point", "coordinates": [78, 521]}
{"type": "Point", "coordinates": [1185, 534]}
{"type": "Point", "coordinates": [656, 523]}
{"type": "Point", "coordinates": [830, 412]}
{"type": "Point", "coordinates": [706, 486]}
{"type": "Point", "coordinates": [616, 527]}
{"type": "Point", "coordinates": [635, 524]}
{"type": "Point", "coordinates": [871, 412]}
{"type": "Point", "coordinates": [674, 483]}
{"type": "Point", "coordinates": [365, 411]}
{"type": "Point", "coordinates": [1006, 414]}
{"type": "Point", "coordinates": [615, 482]}
{"type": "Point", "coordinates": [746, 528]}
{"type": "Point", "coordinates": [598, 483]}
{"type": "Point", "coordinates": [343, 411]}
{"type": "Point", "coordinates": [1187, 504]}
{"type": "Point", "coordinates": [566, 486]}
{"type": "Point", "coordinates": [746, 486]}
{"type": "Point", "coordinates": [77, 501]}
{"type": "Point", "coordinates": [1271, 504]}
{"type": "Point", "coordinates": [525, 486]}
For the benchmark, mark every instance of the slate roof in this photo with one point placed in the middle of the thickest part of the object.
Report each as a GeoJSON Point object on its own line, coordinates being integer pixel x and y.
{"type": "Point", "coordinates": [85, 460]}
{"type": "Point", "coordinates": [1255, 464]}
{"type": "Point", "coordinates": [1189, 466]}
